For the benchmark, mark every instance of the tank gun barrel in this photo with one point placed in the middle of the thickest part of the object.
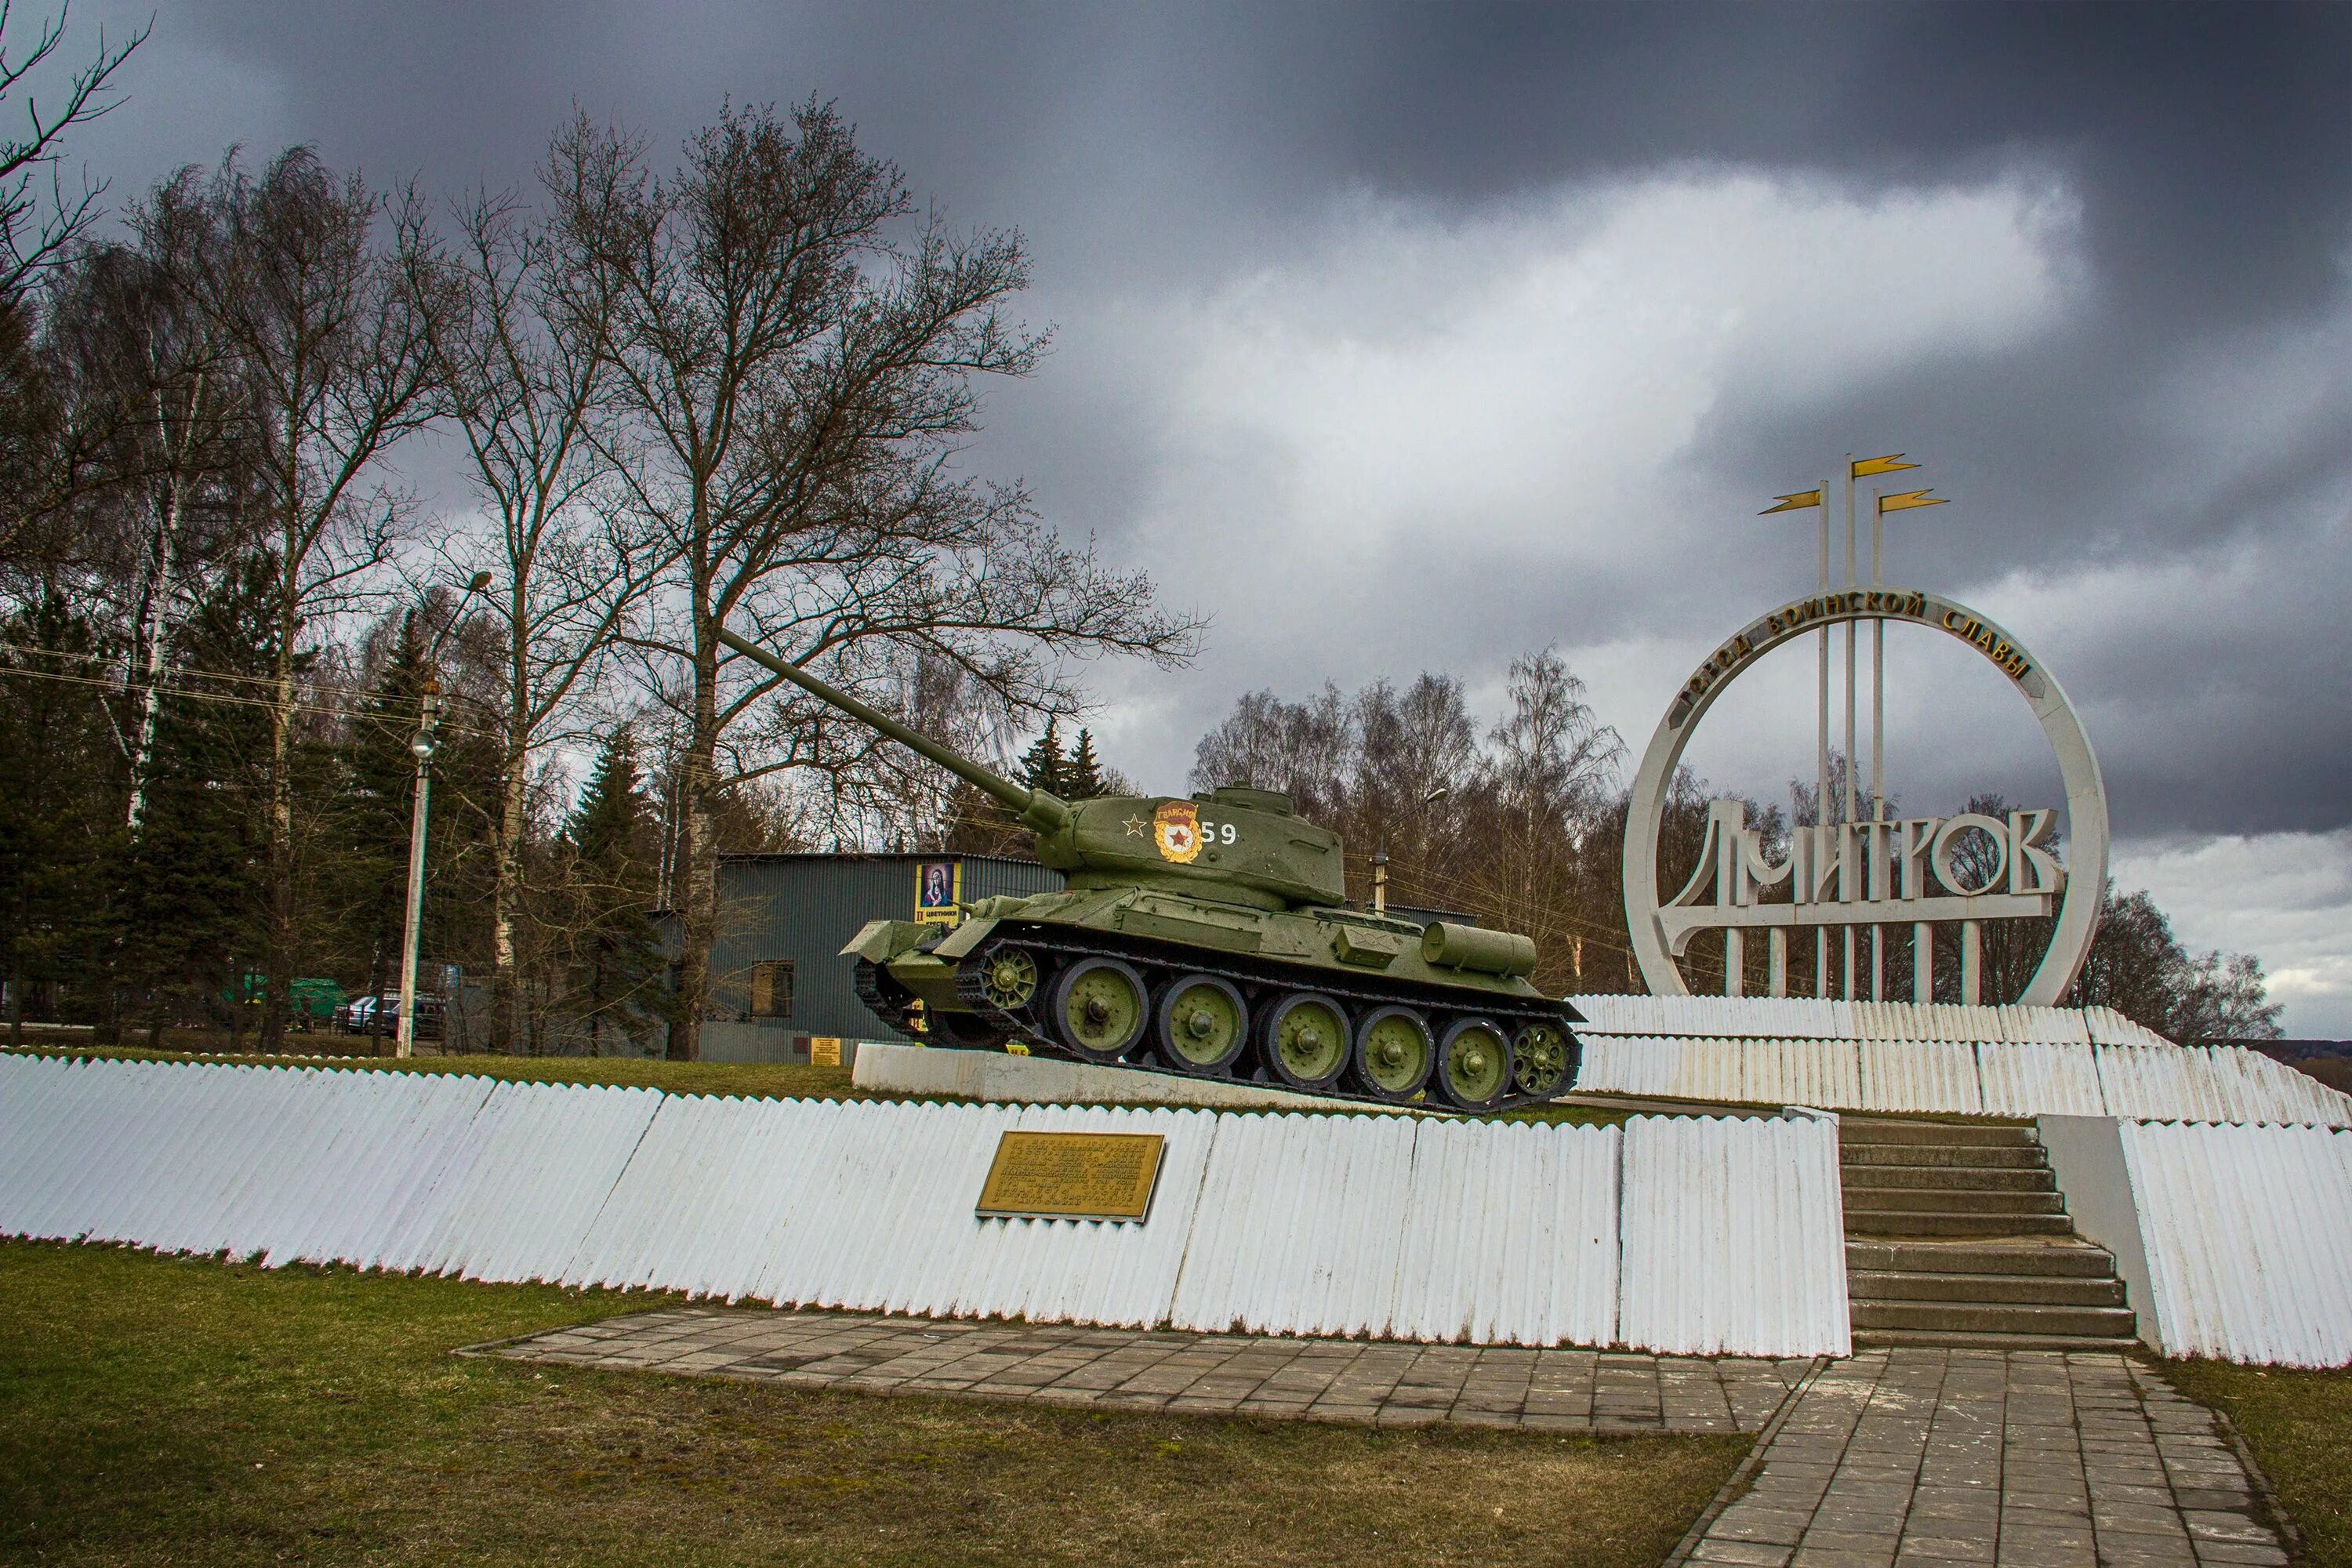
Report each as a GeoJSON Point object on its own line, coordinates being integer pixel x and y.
{"type": "Point", "coordinates": [1039, 810]}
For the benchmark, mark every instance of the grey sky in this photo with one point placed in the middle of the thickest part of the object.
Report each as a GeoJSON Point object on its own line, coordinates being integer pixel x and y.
{"type": "Point", "coordinates": [1406, 336]}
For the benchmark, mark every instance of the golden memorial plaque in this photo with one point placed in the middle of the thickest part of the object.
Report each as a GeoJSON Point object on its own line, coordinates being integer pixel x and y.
{"type": "Point", "coordinates": [1072, 1176]}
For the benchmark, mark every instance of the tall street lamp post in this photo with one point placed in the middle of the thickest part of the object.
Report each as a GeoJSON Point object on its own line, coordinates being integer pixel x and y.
{"type": "Point", "coordinates": [421, 746]}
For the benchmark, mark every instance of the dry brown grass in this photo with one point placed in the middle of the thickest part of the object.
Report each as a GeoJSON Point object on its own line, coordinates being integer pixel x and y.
{"type": "Point", "coordinates": [2299, 1426]}
{"type": "Point", "coordinates": [164, 1410]}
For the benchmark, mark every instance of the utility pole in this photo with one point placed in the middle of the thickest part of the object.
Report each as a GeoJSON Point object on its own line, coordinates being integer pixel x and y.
{"type": "Point", "coordinates": [421, 746]}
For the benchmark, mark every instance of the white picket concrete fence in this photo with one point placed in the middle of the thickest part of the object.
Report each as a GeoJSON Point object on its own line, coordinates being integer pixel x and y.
{"type": "Point", "coordinates": [1990, 1061]}
{"type": "Point", "coordinates": [1682, 1234]}
{"type": "Point", "coordinates": [2248, 1238]}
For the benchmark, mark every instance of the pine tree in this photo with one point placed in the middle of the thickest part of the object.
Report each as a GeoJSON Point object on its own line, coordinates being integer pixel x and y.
{"type": "Point", "coordinates": [192, 905]}
{"type": "Point", "coordinates": [60, 813]}
{"type": "Point", "coordinates": [368, 871]}
{"type": "Point", "coordinates": [1083, 775]}
{"type": "Point", "coordinates": [1042, 766]}
{"type": "Point", "coordinates": [616, 951]}
{"type": "Point", "coordinates": [360, 889]}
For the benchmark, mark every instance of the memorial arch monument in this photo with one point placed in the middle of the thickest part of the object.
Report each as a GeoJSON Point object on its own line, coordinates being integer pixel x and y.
{"type": "Point", "coordinates": [1861, 873]}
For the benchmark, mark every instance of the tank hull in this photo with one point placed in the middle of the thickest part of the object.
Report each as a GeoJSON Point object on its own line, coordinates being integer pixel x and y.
{"type": "Point", "coordinates": [1148, 978]}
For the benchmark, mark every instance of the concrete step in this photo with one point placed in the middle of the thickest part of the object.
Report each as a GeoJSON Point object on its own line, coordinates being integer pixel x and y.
{"type": "Point", "coordinates": [1993, 1317]}
{"type": "Point", "coordinates": [1950, 1178]}
{"type": "Point", "coordinates": [1944, 1200]}
{"type": "Point", "coordinates": [1914, 1223]}
{"type": "Point", "coordinates": [1976, 1134]}
{"type": "Point", "coordinates": [1957, 1339]}
{"type": "Point", "coordinates": [2016, 1289]}
{"type": "Point", "coordinates": [1976, 1155]}
{"type": "Point", "coordinates": [2040, 1260]}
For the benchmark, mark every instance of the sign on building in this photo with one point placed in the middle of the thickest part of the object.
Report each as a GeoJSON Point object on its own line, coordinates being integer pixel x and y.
{"type": "Point", "coordinates": [938, 890]}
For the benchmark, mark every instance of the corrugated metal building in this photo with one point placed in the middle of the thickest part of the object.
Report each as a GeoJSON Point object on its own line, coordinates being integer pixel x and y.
{"type": "Point", "coordinates": [776, 970]}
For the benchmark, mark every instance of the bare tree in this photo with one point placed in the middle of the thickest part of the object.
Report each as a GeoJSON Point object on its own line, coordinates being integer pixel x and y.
{"type": "Point", "coordinates": [1308, 750]}
{"type": "Point", "coordinates": [1413, 790]}
{"type": "Point", "coordinates": [158, 381]}
{"type": "Point", "coordinates": [524, 358]}
{"type": "Point", "coordinates": [328, 324]}
{"type": "Point", "coordinates": [796, 355]}
{"type": "Point", "coordinates": [1551, 766]}
{"type": "Point", "coordinates": [40, 217]}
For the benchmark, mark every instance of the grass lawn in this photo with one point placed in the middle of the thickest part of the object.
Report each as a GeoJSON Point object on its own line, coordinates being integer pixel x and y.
{"type": "Point", "coordinates": [169, 1410]}
{"type": "Point", "coordinates": [768, 1080]}
{"type": "Point", "coordinates": [2299, 1424]}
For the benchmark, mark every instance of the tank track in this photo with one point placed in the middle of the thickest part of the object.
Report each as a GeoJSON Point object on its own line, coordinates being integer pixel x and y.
{"type": "Point", "coordinates": [884, 997]}
{"type": "Point", "coordinates": [1258, 978]}
{"type": "Point", "coordinates": [890, 1002]}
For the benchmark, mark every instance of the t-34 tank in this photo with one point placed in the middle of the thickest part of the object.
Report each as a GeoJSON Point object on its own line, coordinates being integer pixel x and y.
{"type": "Point", "coordinates": [1211, 936]}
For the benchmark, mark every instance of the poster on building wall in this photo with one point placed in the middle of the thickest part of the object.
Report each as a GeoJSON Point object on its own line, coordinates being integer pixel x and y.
{"type": "Point", "coordinates": [938, 889]}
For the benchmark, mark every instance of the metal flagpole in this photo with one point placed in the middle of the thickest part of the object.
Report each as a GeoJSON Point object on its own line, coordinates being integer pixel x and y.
{"type": "Point", "coordinates": [1778, 960]}
{"type": "Point", "coordinates": [1923, 963]}
{"type": "Point", "coordinates": [1821, 779]}
{"type": "Point", "coordinates": [1878, 742]}
{"type": "Point", "coordinates": [1846, 835]}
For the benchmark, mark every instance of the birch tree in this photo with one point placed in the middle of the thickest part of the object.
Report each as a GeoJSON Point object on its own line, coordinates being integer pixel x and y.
{"type": "Point", "coordinates": [157, 380]}
{"type": "Point", "coordinates": [41, 215]}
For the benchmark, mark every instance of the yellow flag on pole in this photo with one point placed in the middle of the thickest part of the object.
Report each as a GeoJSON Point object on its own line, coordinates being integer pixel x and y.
{"type": "Point", "coordinates": [1908, 500]}
{"type": "Point", "coordinates": [1796, 502]}
{"type": "Point", "coordinates": [1894, 464]}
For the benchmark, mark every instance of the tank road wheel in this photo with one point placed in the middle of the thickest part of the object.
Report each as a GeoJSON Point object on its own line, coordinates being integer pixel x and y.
{"type": "Point", "coordinates": [1098, 1009]}
{"type": "Point", "coordinates": [1473, 1065]}
{"type": "Point", "coordinates": [1307, 1040]}
{"type": "Point", "coordinates": [1008, 978]}
{"type": "Point", "coordinates": [1203, 1024]}
{"type": "Point", "coordinates": [1393, 1053]}
{"type": "Point", "coordinates": [1540, 1061]}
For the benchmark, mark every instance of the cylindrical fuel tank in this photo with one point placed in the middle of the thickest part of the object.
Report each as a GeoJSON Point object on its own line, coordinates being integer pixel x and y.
{"type": "Point", "coordinates": [1476, 948]}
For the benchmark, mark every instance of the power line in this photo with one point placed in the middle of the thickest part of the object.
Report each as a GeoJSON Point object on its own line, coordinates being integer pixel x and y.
{"type": "Point", "coordinates": [177, 672]}
{"type": "Point", "coordinates": [226, 697]}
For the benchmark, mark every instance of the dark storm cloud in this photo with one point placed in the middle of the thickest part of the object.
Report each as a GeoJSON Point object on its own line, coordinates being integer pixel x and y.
{"type": "Point", "coordinates": [2209, 142]}
{"type": "Point", "coordinates": [2155, 474]}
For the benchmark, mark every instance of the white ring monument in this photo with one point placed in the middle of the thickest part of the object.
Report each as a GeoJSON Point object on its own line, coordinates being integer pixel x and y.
{"type": "Point", "coordinates": [1876, 872]}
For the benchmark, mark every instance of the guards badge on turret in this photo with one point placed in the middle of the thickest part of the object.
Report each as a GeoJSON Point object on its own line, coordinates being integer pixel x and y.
{"type": "Point", "coordinates": [1176, 828]}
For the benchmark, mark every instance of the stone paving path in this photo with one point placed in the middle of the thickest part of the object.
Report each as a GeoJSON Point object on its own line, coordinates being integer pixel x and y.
{"type": "Point", "coordinates": [1385, 1383]}
{"type": "Point", "coordinates": [2043, 1459]}
{"type": "Point", "coordinates": [1894, 1458]}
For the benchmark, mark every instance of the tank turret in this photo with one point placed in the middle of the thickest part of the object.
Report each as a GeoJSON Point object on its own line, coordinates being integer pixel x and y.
{"type": "Point", "coordinates": [1210, 935]}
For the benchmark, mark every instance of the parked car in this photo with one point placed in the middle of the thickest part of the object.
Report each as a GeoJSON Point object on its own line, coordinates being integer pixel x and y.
{"type": "Point", "coordinates": [381, 1015]}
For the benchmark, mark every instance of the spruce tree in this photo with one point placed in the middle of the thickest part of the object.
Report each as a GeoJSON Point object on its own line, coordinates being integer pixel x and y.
{"type": "Point", "coordinates": [360, 890]}
{"type": "Point", "coordinates": [1084, 773]}
{"type": "Point", "coordinates": [192, 903]}
{"type": "Point", "coordinates": [616, 949]}
{"type": "Point", "coordinates": [368, 872]}
{"type": "Point", "coordinates": [1042, 766]}
{"type": "Point", "coordinates": [60, 811]}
